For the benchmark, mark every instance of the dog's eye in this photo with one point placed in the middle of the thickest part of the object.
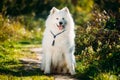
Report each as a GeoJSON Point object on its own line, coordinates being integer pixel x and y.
{"type": "Point", "coordinates": [63, 18]}
{"type": "Point", "coordinates": [57, 18]}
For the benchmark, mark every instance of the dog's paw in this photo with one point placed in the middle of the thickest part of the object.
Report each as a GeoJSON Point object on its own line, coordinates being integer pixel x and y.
{"type": "Point", "coordinates": [42, 69]}
{"type": "Point", "coordinates": [73, 73]}
{"type": "Point", "coordinates": [46, 72]}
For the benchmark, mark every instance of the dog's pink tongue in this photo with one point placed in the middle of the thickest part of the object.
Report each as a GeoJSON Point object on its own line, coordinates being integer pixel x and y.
{"type": "Point", "coordinates": [60, 27]}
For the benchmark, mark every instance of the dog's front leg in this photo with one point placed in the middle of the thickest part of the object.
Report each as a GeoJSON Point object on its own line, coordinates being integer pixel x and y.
{"type": "Point", "coordinates": [70, 63]}
{"type": "Point", "coordinates": [47, 62]}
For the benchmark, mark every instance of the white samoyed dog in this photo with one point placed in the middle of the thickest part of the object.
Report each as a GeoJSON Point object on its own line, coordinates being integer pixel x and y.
{"type": "Point", "coordinates": [58, 43]}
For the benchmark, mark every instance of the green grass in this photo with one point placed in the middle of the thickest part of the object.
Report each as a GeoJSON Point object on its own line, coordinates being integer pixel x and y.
{"type": "Point", "coordinates": [12, 69]}
{"type": "Point", "coordinates": [93, 72]}
{"type": "Point", "coordinates": [37, 77]}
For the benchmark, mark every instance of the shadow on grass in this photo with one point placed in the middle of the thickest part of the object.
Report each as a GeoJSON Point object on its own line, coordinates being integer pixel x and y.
{"type": "Point", "coordinates": [21, 71]}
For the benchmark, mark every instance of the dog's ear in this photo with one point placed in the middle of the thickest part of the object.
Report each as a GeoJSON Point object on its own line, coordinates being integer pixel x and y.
{"type": "Point", "coordinates": [66, 9]}
{"type": "Point", "coordinates": [53, 10]}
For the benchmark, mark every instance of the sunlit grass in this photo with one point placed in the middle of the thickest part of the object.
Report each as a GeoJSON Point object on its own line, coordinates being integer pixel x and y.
{"type": "Point", "coordinates": [106, 76]}
{"type": "Point", "coordinates": [37, 77]}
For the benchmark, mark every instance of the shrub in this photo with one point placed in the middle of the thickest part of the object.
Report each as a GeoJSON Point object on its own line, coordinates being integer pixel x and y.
{"type": "Point", "coordinates": [11, 29]}
{"type": "Point", "coordinates": [97, 48]}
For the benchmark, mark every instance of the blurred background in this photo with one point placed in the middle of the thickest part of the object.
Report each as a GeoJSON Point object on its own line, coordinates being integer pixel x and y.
{"type": "Point", "coordinates": [97, 27]}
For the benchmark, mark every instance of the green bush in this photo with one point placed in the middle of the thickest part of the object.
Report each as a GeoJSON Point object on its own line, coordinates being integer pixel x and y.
{"type": "Point", "coordinates": [98, 49]}
{"type": "Point", "coordinates": [21, 28]}
{"type": "Point", "coordinates": [11, 29]}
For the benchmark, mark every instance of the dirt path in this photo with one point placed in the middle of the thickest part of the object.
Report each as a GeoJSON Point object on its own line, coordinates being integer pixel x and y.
{"type": "Point", "coordinates": [32, 62]}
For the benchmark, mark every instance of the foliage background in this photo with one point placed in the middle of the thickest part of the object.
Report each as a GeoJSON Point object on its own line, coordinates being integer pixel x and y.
{"type": "Point", "coordinates": [97, 33]}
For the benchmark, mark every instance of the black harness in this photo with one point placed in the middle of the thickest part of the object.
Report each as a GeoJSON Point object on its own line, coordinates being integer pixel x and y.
{"type": "Point", "coordinates": [55, 35]}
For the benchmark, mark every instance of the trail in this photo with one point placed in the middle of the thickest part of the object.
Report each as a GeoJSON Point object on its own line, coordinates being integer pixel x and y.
{"type": "Point", "coordinates": [35, 63]}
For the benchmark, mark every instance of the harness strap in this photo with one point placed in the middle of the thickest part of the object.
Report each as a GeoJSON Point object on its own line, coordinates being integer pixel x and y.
{"type": "Point", "coordinates": [55, 35]}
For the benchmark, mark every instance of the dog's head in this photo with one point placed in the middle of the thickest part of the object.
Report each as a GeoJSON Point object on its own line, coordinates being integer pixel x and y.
{"type": "Point", "coordinates": [59, 18]}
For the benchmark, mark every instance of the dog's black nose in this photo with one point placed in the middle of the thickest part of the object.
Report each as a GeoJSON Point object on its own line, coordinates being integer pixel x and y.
{"type": "Point", "coordinates": [60, 23]}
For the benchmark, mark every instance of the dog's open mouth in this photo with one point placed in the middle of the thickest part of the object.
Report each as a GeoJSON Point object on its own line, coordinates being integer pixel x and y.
{"type": "Point", "coordinates": [61, 27]}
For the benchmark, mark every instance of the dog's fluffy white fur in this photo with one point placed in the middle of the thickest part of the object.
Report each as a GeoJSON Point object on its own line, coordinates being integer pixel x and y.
{"type": "Point", "coordinates": [59, 57]}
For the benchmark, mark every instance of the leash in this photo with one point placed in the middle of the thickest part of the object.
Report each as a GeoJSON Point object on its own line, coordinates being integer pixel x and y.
{"type": "Point", "coordinates": [55, 35]}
